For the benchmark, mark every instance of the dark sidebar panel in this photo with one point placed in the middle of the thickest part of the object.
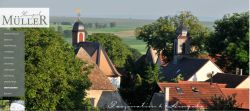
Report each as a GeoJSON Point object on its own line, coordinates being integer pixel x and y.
{"type": "Point", "coordinates": [12, 64]}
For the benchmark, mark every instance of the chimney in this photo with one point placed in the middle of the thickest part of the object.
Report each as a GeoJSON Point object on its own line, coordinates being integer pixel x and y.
{"type": "Point", "coordinates": [211, 78]}
{"type": "Point", "coordinates": [237, 71]}
{"type": "Point", "coordinates": [241, 71]}
{"type": "Point", "coordinates": [166, 98]}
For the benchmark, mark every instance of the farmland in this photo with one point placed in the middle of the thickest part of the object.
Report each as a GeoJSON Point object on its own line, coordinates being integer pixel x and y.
{"type": "Point", "coordinates": [124, 28]}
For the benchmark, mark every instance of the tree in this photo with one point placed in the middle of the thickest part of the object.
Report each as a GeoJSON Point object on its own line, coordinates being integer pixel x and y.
{"type": "Point", "coordinates": [67, 33]}
{"type": "Point", "coordinates": [138, 81]}
{"type": "Point", "coordinates": [53, 78]}
{"type": "Point", "coordinates": [66, 23]}
{"type": "Point", "coordinates": [116, 50]}
{"type": "Point", "coordinates": [231, 41]}
{"type": "Point", "coordinates": [161, 33]}
{"type": "Point", "coordinates": [223, 103]}
{"type": "Point", "coordinates": [178, 78]}
{"type": "Point", "coordinates": [138, 87]}
{"type": "Point", "coordinates": [112, 24]}
{"type": "Point", "coordinates": [60, 29]}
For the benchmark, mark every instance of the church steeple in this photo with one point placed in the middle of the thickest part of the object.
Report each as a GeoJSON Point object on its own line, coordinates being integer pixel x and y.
{"type": "Point", "coordinates": [181, 43]}
{"type": "Point", "coordinates": [79, 33]}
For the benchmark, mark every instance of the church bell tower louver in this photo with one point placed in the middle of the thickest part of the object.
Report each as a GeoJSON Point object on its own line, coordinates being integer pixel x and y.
{"type": "Point", "coordinates": [181, 43]}
{"type": "Point", "coordinates": [79, 33]}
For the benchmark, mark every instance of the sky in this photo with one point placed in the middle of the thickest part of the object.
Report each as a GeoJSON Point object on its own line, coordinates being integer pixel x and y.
{"type": "Point", "coordinates": [206, 10]}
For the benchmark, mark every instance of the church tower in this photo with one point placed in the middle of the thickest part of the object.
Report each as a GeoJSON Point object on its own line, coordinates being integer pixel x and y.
{"type": "Point", "coordinates": [79, 33]}
{"type": "Point", "coordinates": [181, 43]}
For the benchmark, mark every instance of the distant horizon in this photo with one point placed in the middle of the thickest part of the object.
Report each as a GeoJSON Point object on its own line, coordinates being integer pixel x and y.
{"type": "Point", "coordinates": [204, 19]}
{"type": "Point", "coordinates": [205, 10]}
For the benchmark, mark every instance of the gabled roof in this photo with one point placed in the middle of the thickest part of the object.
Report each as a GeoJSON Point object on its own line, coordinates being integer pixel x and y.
{"type": "Point", "coordinates": [97, 77]}
{"type": "Point", "coordinates": [186, 66]}
{"type": "Point", "coordinates": [109, 98]}
{"type": "Point", "coordinates": [241, 96]}
{"type": "Point", "coordinates": [100, 57]}
{"type": "Point", "coordinates": [231, 80]}
{"type": "Point", "coordinates": [151, 55]}
{"type": "Point", "coordinates": [201, 96]}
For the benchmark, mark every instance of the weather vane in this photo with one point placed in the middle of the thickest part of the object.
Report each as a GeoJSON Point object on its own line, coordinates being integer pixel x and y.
{"type": "Point", "coordinates": [78, 11]}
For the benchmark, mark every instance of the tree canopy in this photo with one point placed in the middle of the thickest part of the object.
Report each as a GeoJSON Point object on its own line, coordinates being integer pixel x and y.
{"type": "Point", "coordinates": [53, 78]}
{"type": "Point", "coordinates": [231, 42]}
{"type": "Point", "coordinates": [161, 33]}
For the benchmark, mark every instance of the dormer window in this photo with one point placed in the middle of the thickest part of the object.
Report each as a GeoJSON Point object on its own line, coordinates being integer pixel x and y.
{"type": "Point", "coordinates": [179, 90]}
{"type": "Point", "coordinates": [195, 89]}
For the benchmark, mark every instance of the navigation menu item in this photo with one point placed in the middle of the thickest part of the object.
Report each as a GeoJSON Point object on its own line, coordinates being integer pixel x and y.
{"type": "Point", "coordinates": [11, 64]}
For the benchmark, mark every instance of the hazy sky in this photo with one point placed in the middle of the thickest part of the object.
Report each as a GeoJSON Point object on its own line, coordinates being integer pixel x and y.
{"type": "Point", "coordinates": [140, 9]}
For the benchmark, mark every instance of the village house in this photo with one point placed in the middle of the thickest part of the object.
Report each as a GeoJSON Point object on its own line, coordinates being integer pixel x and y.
{"type": "Point", "coordinates": [195, 95]}
{"type": "Point", "coordinates": [191, 69]}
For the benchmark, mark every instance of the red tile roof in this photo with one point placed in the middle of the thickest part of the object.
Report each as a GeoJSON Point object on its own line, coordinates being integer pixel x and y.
{"type": "Point", "coordinates": [189, 97]}
{"type": "Point", "coordinates": [242, 96]}
{"type": "Point", "coordinates": [97, 77]}
{"type": "Point", "coordinates": [95, 51]}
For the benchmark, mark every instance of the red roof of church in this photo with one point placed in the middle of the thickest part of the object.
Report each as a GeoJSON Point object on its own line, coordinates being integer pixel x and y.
{"type": "Point", "coordinates": [100, 57]}
{"type": "Point", "coordinates": [97, 77]}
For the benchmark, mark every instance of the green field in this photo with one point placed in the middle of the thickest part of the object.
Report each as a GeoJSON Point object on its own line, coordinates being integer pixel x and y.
{"type": "Point", "coordinates": [124, 28]}
{"type": "Point", "coordinates": [131, 41]}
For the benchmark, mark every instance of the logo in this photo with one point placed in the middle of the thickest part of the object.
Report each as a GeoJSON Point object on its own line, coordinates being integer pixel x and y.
{"type": "Point", "coordinates": [24, 17]}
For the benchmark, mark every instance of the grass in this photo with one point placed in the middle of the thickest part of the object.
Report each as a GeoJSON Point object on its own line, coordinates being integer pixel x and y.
{"type": "Point", "coordinates": [134, 43]}
{"type": "Point", "coordinates": [130, 41]}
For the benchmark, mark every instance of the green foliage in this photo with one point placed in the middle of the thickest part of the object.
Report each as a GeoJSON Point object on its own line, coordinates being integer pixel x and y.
{"type": "Point", "coordinates": [231, 41]}
{"type": "Point", "coordinates": [4, 105]}
{"type": "Point", "coordinates": [179, 77]}
{"type": "Point", "coordinates": [223, 103]}
{"type": "Point", "coordinates": [66, 23]}
{"type": "Point", "coordinates": [53, 78]}
{"type": "Point", "coordinates": [67, 33]}
{"type": "Point", "coordinates": [116, 50]}
{"type": "Point", "coordinates": [135, 54]}
{"type": "Point", "coordinates": [140, 84]}
{"type": "Point", "coordinates": [112, 24]}
{"type": "Point", "coordinates": [161, 33]}
{"type": "Point", "coordinates": [138, 80]}
{"type": "Point", "coordinates": [60, 29]}
{"type": "Point", "coordinates": [151, 73]}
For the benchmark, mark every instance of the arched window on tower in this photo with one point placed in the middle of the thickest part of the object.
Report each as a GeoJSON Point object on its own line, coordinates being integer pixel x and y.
{"type": "Point", "coordinates": [81, 37]}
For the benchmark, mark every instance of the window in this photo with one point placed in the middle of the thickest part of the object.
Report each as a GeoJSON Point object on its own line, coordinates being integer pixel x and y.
{"type": "Point", "coordinates": [81, 37]}
{"type": "Point", "coordinates": [179, 90]}
{"type": "Point", "coordinates": [195, 89]}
